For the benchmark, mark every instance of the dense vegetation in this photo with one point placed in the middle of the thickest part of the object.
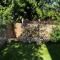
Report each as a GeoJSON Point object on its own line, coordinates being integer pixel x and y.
{"type": "Point", "coordinates": [55, 35]}
{"type": "Point", "coordinates": [24, 51]}
{"type": "Point", "coordinates": [14, 10]}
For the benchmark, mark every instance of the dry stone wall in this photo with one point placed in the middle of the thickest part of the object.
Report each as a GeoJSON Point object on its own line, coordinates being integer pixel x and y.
{"type": "Point", "coordinates": [44, 30]}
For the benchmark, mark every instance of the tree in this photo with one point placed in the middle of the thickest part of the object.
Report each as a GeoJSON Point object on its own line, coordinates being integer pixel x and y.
{"type": "Point", "coordinates": [6, 14]}
{"type": "Point", "coordinates": [29, 9]}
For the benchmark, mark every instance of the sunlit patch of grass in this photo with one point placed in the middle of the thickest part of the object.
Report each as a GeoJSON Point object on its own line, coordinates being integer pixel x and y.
{"type": "Point", "coordinates": [45, 53]}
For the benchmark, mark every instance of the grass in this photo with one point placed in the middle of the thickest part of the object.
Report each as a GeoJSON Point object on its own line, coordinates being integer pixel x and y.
{"type": "Point", "coordinates": [24, 51]}
{"type": "Point", "coordinates": [45, 53]}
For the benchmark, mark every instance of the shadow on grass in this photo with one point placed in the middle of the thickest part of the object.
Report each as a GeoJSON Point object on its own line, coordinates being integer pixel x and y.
{"type": "Point", "coordinates": [54, 50]}
{"type": "Point", "coordinates": [20, 51]}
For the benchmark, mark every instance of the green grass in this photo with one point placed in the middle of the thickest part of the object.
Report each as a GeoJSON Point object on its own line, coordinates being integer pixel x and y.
{"type": "Point", "coordinates": [45, 52]}
{"type": "Point", "coordinates": [24, 51]}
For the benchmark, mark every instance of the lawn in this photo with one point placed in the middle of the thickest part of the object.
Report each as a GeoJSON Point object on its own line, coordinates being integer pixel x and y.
{"type": "Point", "coordinates": [24, 51]}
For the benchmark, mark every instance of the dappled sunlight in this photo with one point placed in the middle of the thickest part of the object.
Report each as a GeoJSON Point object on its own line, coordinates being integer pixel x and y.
{"type": "Point", "coordinates": [25, 51]}
{"type": "Point", "coordinates": [44, 53]}
{"type": "Point", "coordinates": [20, 51]}
{"type": "Point", "coordinates": [29, 29]}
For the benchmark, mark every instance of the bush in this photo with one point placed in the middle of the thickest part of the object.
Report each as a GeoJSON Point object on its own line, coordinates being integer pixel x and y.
{"type": "Point", "coordinates": [55, 35]}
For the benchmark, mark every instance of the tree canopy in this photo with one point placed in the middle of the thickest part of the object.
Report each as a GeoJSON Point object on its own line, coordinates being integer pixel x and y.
{"type": "Point", "coordinates": [14, 10]}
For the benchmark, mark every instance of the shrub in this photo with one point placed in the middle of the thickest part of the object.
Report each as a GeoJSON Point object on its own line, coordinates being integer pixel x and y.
{"type": "Point", "coordinates": [55, 35]}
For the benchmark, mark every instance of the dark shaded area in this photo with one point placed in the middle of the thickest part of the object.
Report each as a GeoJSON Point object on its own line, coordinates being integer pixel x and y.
{"type": "Point", "coordinates": [54, 50]}
{"type": "Point", "coordinates": [20, 51]}
{"type": "Point", "coordinates": [5, 3]}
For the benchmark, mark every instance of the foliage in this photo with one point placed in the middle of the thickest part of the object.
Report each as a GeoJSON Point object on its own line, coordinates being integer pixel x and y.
{"type": "Point", "coordinates": [30, 9]}
{"type": "Point", "coordinates": [31, 34]}
{"type": "Point", "coordinates": [55, 35]}
{"type": "Point", "coordinates": [6, 14]}
{"type": "Point", "coordinates": [24, 51]}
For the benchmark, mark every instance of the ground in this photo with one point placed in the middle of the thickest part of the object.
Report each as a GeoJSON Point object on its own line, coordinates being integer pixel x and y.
{"type": "Point", "coordinates": [20, 51]}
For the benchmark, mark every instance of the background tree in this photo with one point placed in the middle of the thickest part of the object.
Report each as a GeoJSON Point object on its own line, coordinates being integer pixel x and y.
{"type": "Point", "coordinates": [13, 10]}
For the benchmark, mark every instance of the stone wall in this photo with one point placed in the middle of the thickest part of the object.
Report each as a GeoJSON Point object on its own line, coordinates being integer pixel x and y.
{"type": "Point", "coordinates": [17, 30]}
{"type": "Point", "coordinates": [45, 30]}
